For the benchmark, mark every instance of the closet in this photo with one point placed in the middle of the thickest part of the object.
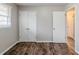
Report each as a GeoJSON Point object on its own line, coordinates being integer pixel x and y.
{"type": "Point", "coordinates": [27, 26]}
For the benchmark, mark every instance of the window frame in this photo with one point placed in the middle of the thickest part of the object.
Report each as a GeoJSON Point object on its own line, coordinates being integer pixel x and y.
{"type": "Point", "coordinates": [8, 17]}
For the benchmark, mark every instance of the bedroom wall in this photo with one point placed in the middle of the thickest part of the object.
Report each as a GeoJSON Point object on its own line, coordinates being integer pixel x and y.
{"type": "Point", "coordinates": [9, 36]}
{"type": "Point", "coordinates": [44, 20]}
{"type": "Point", "coordinates": [77, 29]}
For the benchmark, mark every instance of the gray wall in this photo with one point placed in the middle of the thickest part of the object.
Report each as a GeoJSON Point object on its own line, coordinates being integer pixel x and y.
{"type": "Point", "coordinates": [9, 36]}
{"type": "Point", "coordinates": [44, 20]}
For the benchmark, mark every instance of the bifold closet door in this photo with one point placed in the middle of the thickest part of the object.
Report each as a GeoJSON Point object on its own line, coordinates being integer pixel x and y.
{"type": "Point", "coordinates": [59, 27]}
{"type": "Point", "coordinates": [27, 25]}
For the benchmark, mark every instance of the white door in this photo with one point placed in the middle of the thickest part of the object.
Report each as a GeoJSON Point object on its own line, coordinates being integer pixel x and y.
{"type": "Point", "coordinates": [27, 25]}
{"type": "Point", "coordinates": [59, 27]}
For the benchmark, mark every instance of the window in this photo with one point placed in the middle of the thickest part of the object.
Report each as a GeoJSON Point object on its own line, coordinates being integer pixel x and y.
{"type": "Point", "coordinates": [5, 16]}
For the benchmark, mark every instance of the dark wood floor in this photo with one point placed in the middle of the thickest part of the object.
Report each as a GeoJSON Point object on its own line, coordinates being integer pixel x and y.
{"type": "Point", "coordinates": [33, 48]}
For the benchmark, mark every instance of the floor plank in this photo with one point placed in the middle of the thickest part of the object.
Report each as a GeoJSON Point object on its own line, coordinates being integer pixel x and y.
{"type": "Point", "coordinates": [33, 48]}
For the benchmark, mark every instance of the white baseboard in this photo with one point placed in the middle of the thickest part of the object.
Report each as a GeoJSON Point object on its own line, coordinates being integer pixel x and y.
{"type": "Point", "coordinates": [42, 41]}
{"type": "Point", "coordinates": [58, 42]}
{"type": "Point", "coordinates": [9, 48]}
{"type": "Point", "coordinates": [35, 41]}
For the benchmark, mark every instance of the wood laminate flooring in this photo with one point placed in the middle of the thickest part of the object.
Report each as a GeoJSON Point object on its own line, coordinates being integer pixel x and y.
{"type": "Point", "coordinates": [33, 48]}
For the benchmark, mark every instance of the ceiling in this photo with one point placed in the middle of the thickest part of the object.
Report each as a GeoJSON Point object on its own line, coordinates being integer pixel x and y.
{"type": "Point", "coordinates": [41, 4]}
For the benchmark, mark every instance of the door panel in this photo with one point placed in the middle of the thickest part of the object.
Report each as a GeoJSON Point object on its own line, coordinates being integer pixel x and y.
{"type": "Point", "coordinates": [27, 25]}
{"type": "Point", "coordinates": [59, 27]}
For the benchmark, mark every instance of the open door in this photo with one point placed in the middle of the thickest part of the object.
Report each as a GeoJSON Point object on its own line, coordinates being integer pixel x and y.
{"type": "Point", "coordinates": [70, 18]}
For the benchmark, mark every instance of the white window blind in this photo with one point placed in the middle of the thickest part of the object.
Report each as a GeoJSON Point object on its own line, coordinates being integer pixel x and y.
{"type": "Point", "coordinates": [5, 16]}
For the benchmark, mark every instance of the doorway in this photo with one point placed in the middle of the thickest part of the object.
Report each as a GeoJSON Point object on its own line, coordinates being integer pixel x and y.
{"type": "Point", "coordinates": [70, 19]}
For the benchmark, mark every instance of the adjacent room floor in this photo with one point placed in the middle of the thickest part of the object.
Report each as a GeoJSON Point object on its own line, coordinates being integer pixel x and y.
{"type": "Point", "coordinates": [33, 48]}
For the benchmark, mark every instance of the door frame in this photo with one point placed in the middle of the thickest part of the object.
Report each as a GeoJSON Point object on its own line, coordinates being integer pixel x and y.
{"type": "Point", "coordinates": [69, 8]}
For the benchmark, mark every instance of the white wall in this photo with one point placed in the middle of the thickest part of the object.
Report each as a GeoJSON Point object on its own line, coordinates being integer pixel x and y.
{"type": "Point", "coordinates": [44, 20]}
{"type": "Point", "coordinates": [76, 5]}
{"type": "Point", "coordinates": [77, 29]}
{"type": "Point", "coordinates": [9, 36]}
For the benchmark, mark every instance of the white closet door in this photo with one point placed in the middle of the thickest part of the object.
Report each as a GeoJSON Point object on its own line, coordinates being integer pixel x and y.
{"type": "Point", "coordinates": [27, 21]}
{"type": "Point", "coordinates": [59, 27]}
